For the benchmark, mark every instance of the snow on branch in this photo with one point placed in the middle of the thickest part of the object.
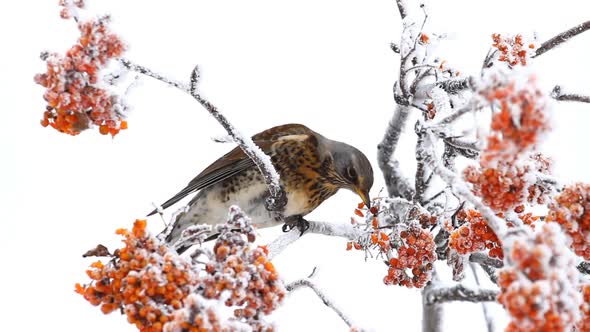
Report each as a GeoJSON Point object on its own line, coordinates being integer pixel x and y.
{"type": "Point", "coordinates": [277, 199]}
{"type": "Point", "coordinates": [557, 94]}
{"type": "Point", "coordinates": [485, 259]}
{"type": "Point", "coordinates": [347, 231]}
{"type": "Point", "coordinates": [301, 283]}
{"type": "Point", "coordinates": [401, 6]}
{"type": "Point", "coordinates": [397, 184]}
{"type": "Point", "coordinates": [562, 38]}
{"type": "Point", "coordinates": [584, 268]}
{"type": "Point", "coordinates": [460, 293]}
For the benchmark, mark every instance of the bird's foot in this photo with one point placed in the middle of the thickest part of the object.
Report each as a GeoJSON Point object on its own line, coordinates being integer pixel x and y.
{"type": "Point", "coordinates": [296, 222]}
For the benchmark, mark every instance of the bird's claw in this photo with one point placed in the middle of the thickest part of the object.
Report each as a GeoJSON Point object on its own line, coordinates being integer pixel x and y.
{"type": "Point", "coordinates": [296, 222]}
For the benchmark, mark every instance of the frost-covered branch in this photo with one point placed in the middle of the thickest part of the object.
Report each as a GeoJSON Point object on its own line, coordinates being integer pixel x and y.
{"type": "Point", "coordinates": [460, 293]}
{"type": "Point", "coordinates": [562, 38]}
{"type": "Point", "coordinates": [455, 86]}
{"type": "Point", "coordinates": [557, 94]}
{"type": "Point", "coordinates": [148, 72]}
{"type": "Point", "coordinates": [484, 306]}
{"type": "Point", "coordinates": [277, 199]}
{"type": "Point", "coordinates": [456, 115]}
{"type": "Point", "coordinates": [397, 184]}
{"type": "Point", "coordinates": [431, 312]}
{"type": "Point", "coordinates": [420, 180]}
{"type": "Point", "coordinates": [485, 259]}
{"type": "Point", "coordinates": [451, 86]}
{"type": "Point", "coordinates": [301, 283]}
{"type": "Point", "coordinates": [401, 6]}
{"type": "Point", "coordinates": [346, 231]}
{"type": "Point", "coordinates": [584, 268]}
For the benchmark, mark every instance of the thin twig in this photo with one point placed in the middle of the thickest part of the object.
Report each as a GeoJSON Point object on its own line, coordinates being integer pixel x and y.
{"type": "Point", "coordinates": [484, 306]}
{"type": "Point", "coordinates": [558, 95]}
{"type": "Point", "coordinates": [562, 38]}
{"type": "Point", "coordinates": [277, 199]}
{"type": "Point", "coordinates": [470, 107]}
{"type": "Point", "coordinates": [298, 284]}
{"type": "Point", "coordinates": [148, 72]}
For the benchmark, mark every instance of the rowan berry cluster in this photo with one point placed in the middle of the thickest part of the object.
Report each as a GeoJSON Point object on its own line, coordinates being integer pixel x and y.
{"type": "Point", "coordinates": [195, 316]}
{"type": "Point", "coordinates": [74, 99]}
{"type": "Point", "coordinates": [412, 265]}
{"type": "Point", "coordinates": [159, 290]}
{"type": "Point", "coordinates": [70, 8]}
{"type": "Point", "coordinates": [539, 282]}
{"type": "Point", "coordinates": [144, 279]}
{"type": "Point", "coordinates": [377, 237]}
{"type": "Point", "coordinates": [394, 231]}
{"type": "Point", "coordinates": [241, 275]}
{"type": "Point", "coordinates": [520, 121]}
{"type": "Point", "coordinates": [500, 188]}
{"type": "Point", "coordinates": [474, 235]}
{"type": "Point", "coordinates": [512, 50]}
{"type": "Point", "coordinates": [571, 210]}
{"type": "Point", "coordinates": [507, 175]}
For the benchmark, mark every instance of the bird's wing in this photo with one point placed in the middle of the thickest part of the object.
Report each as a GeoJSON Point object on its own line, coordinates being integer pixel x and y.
{"type": "Point", "coordinates": [237, 161]}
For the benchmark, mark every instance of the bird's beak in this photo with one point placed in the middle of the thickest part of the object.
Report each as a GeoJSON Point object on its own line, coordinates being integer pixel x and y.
{"type": "Point", "coordinates": [364, 195]}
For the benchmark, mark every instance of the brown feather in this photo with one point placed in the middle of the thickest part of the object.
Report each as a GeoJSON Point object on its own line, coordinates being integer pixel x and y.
{"type": "Point", "coordinates": [237, 161]}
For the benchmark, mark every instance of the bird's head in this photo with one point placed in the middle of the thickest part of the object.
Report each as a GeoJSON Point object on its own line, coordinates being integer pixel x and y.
{"type": "Point", "coordinates": [354, 171]}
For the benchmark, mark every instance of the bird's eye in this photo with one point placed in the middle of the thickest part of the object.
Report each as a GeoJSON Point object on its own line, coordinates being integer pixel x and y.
{"type": "Point", "coordinates": [351, 173]}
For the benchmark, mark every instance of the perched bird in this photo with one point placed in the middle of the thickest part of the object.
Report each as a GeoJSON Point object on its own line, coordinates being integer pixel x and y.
{"type": "Point", "coordinates": [311, 167]}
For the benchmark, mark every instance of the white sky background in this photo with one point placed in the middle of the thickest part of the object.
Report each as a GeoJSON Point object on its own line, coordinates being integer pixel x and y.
{"type": "Point", "coordinates": [326, 64]}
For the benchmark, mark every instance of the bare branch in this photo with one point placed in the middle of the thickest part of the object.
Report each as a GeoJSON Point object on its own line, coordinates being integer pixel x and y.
{"type": "Point", "coordinates": [298, 284]}
{"type": "Point", "coordinates": [394, 47]}
{"type": "Point", "coordinates": [397, 185]}
{"type": "Point", "coordinates": [562, 38]}
{"type": "Point", "coordinates": [277, 199]}
{"type": "Point", "coordinates": [460, 293]}
{"type": "Point", "coordinates": [346, 231]}
{"type": "Point", "coordinates": [558, 95]}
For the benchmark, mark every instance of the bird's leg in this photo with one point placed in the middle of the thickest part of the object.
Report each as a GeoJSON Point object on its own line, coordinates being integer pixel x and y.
{"type": "Point", "coordinates": [296, 221]}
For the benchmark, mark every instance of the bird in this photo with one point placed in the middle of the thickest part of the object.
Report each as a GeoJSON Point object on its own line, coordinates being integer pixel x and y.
{"type": "Point", "coordinates": [311, 167]}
